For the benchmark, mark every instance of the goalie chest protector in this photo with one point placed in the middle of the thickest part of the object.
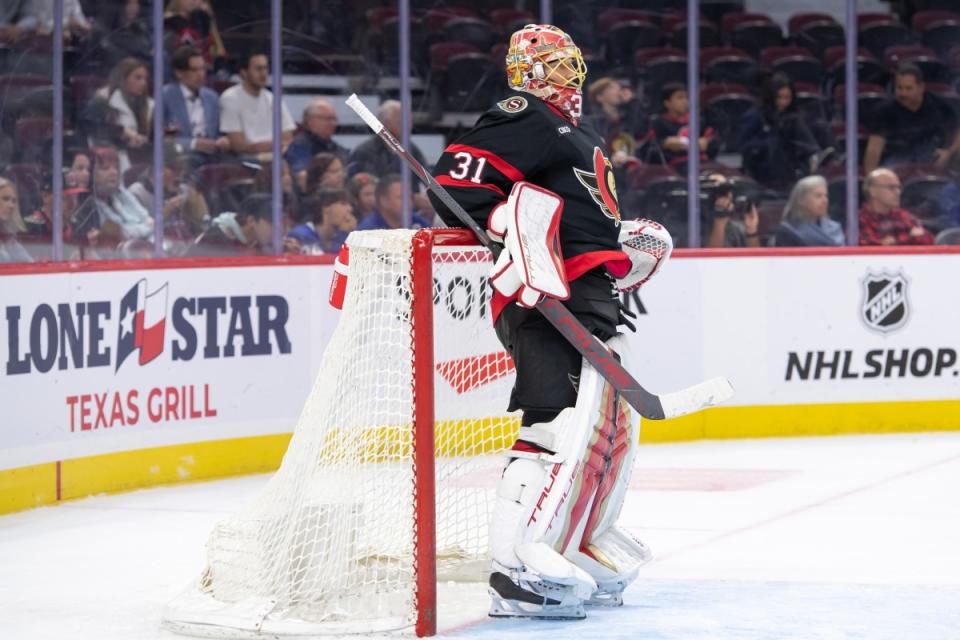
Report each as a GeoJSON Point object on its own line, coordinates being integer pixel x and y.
{"type": "Point", "coordinates": [523, 138]}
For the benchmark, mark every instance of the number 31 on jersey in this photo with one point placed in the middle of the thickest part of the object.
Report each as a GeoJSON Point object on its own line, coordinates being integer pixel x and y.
{"type": "Point", "coordinates": [465, 167]}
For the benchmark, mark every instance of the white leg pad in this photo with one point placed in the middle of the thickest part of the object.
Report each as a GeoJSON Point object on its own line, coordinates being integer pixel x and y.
{"type": "Point", "coordinates": [555, 514]}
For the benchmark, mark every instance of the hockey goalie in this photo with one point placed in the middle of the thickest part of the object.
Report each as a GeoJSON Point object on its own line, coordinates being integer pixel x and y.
{"type": "Point", "coordinates": [539, 181]}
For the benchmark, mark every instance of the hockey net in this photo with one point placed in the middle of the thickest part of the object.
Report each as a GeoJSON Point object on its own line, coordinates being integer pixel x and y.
{"type": "Point", "coordinates": [404, 421]}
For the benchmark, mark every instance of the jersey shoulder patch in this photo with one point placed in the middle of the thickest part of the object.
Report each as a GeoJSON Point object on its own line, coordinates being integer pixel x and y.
{"type": "Point", "coordinates": [513, 104]}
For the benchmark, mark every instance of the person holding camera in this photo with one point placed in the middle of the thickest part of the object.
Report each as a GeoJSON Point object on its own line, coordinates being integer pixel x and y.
{"type": "Point", "coordinates": [734, 220]}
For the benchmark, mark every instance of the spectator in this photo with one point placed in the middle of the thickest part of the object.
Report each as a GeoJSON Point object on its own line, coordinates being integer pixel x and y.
{"type": "Point", "coordinates": [328, 221]}
{"type": "Point", "coordinates": [39, 222]}
{"type": "Point", "coordinates": [882, 220]}
{"type": "Point", "coordinates": [246, 112]}
{"type": "Point", "coordinates": [191, 108]}
{"type": "Point", "coordinates": [113, 210]}
{"type": "Point", "coordinates": [185, 211]}
{"type": "Point", "coordinates": [248, 231]}
{"type": "Point", "coordinates": [671, 129]}
{"type": "Point", "coordinates": [78, 173]}
{"type": "Point", "coordinates": [805, 222]}
{"type": "Point", "coordinates": [729, 225]}
{"type": "Point", "coordinates": [75, 23]}
{"type": "Point", "coordinates": [616, 118]}
{"type": "Point", "coordinates": [915, 126]}
{"type": "Point", "coordinates": [121, 113]}
{"type": "Point", "coordinates": [263, 183]}
{"type": "Point", "coordinates": [122, 31]}
{"type": "Point", "coordinates": [777, 145]}
{"type": "Point", "coordinates": [363, 194]}
{"type": "Point", "coordinates": [16, 20]}
{"type": "Point", "coordinates": [11, 223]}
{"type": "Point", "coordinates": [950, 206]}
{"type": "Point", "coordinates": [372, 156]}
{"type": "Point", "coordinates": [191, 22]}
{"type": "Point", "coordinates": [318, 126]}
{"type": "Point", "coordinates": [389, 211]}
{"type": "Point", "coordinates": [326, 171]}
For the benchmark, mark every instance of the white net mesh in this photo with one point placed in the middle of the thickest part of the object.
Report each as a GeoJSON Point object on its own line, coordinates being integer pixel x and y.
{"type": "Point", "coordinates": [329, 542]}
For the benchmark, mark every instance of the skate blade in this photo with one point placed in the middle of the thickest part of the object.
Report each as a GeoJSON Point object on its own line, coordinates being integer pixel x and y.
{"type": "Point", "coordinates": [605, 599]}
{"type": "Point", "coordinates": [501, 608]}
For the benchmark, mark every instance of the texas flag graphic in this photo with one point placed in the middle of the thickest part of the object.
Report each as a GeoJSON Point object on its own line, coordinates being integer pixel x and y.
{"type": "Point", "coordinates": [143, 318]}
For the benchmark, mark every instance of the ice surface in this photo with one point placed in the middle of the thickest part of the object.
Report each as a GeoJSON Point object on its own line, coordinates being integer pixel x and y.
{"type": "Point", "coordinates": [806, 538]}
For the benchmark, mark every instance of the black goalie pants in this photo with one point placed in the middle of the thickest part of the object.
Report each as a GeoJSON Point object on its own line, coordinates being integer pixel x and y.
{"type": "Point", "coordinates": [548, 367]}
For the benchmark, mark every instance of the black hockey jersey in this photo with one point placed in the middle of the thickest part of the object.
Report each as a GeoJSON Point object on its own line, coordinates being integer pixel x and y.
{"type": "Point", "coordinates": [524, 138]}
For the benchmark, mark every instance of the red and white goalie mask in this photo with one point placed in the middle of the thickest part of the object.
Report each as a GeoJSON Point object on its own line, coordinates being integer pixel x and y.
{"type": "Point", "coordinates": [542, 60]}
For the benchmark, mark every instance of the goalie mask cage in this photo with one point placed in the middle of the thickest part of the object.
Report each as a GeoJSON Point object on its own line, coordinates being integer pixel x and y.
{"type": "Point", "coordinates": [390, 475]}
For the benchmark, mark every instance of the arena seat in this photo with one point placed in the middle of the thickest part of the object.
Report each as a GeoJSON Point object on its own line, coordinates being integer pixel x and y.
{"type": "Point", "coordinates": [796, 62]}
{"type": "Point", "coordinates": [877, 36]}
{"type": "Point", "coordinates": [934, 70]}
{"type": "Point", "coordinates": [623, 38]}
{"type": "Point", "coordinates": [727, 64]}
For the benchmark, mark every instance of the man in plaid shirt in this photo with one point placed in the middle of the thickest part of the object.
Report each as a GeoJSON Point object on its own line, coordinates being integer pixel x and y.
{"type": "Point", "coordinates": [882, 221]}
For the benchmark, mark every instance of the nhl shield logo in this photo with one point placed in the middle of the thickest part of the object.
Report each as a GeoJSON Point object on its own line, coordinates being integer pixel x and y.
{"type": "Point", "coordinates": [885, 307]}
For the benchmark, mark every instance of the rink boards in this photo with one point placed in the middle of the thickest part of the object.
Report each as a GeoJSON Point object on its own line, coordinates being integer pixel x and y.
{"type": "Point", "coordinates": [127, 374]}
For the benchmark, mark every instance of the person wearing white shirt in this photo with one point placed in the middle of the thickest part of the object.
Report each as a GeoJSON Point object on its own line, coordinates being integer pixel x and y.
{"type": "Point", "coordinates": [74, 22]}
{"type": "Point", "coordinates": [246, 111]}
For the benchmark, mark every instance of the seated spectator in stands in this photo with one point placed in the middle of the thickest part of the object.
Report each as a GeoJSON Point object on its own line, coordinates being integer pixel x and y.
{"type": "Point", "coordinates": [11, 224]}
{"type": "Point", "coordinates": [39, 222]}
{"type": "Point", "coordinates": [389, 211]}
{"type": "Point", "coordinates": [915, 126]}
{"type": "Point", "coordinates": [316, 136]}
{"type": "Point", "coordinates": [949, 206]}
{"type": "Point", "coordinates": [263, 183]}
{"type": "Point", "coordinates": [113, 202]}
{"type": "Point", "coordinates": [363, 194]}
{"type": "Point", "coordinates": [191, 108]}
{"type": "Point", "coordinates": [121, 113]}
{"type": "Point", "coordinates": [882, 220]}
{"type": "Point", "coordinates": [75, 23]}
{"type": "Point", "coordinates": [185, 210]}
{"type": "Point", "coordinates": [328, 219]}
{"type": "Point", "coordinates": [326, 171]}
{"type": "Point", "coordinates": [374, 157]}
{"type": "Point", "coordinates": [778, 146]}
{"type": "Point", "coordinates": [729, 227]}
{"type": "Point", "coordinates": [191, 22]}
{"type": "Point", "coordinates": [17, 19]}
{"type": "Point", "coordinates": [246, 112]}
{"type": "Point", "coordinates": [77, 162]}
{"type": "Point", "coordinates": [616, 117]}
{"type": "Point", "coordinates": [121, 30]}
{"type": "Point", "coordinates": [805, 221]}
{"type": "Point", "coordinates": [248, 231]}
{"type": "Point", "coordinates": [671, 129]}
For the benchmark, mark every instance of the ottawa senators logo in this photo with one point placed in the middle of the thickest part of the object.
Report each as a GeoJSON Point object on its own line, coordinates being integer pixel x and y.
{"type": "Point", "coordinates": [516, 104]}
{"type": "Point", "coordinates": [601, 185]}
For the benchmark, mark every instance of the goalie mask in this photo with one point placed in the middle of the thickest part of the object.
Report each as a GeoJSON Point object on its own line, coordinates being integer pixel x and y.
{"type": "Point", "coordinates": [542, 60]}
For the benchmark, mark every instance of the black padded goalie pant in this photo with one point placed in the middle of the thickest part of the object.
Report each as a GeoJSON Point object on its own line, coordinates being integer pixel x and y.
{"type": "Point", "coordinates": [548, 367]}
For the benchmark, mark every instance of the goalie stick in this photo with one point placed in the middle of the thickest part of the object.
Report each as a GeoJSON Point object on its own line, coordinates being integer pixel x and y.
{"type": "Point", "coordinates": [648, 405]}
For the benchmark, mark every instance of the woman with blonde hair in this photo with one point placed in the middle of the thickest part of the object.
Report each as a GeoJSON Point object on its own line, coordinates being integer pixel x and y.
{"type": "Point", "coordinates": [11, 223]}
{"type": "Point", "coordinates": [126, 108]}
{"type": "Point", "coordinates": [805, 220]}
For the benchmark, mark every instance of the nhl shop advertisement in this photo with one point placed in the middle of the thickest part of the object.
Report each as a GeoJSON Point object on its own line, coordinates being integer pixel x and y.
{"type": "Point", "coordinates": [118, 360]}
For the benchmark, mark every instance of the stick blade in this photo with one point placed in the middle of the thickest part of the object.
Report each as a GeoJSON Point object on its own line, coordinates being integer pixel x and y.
{"type": "Point", "coordinates": [696, 398]}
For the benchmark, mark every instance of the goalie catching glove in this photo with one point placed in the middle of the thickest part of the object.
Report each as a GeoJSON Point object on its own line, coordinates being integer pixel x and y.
{"type": "Point", "coordinates": [531, 264]}
{"type": "Point", "coordinates": [648, 245]}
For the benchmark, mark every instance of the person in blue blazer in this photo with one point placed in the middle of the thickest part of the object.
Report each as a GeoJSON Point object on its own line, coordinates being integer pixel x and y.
{"type": "Point", "coordinates": [191, 108]}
